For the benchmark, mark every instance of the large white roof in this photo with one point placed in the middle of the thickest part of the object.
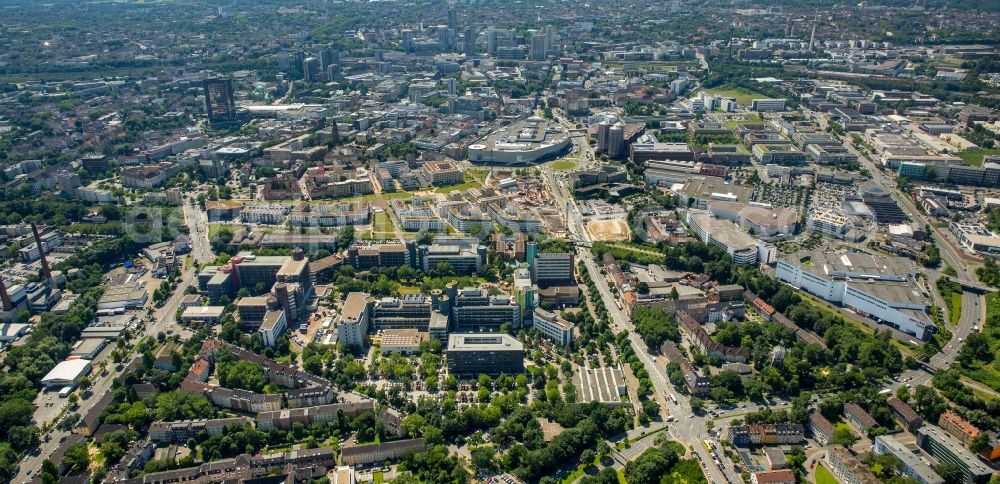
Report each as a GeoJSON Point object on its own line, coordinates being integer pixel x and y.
{"type": "Point", "coordinates": [67, 370]}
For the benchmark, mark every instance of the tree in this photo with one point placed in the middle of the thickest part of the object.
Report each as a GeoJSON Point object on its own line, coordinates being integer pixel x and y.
{"type": "Point", "coordinates": [76, 458]}
{"type": "Point", "coordinates": [697, 405]}
{"type": "Point", "coordinates": [951, 473]}
{"type": "Point", "coordinates": [981, 443]}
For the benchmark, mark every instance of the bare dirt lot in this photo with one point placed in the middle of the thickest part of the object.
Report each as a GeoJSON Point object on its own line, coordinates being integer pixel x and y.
{"type": "Point", "coordinates": [608, 230]}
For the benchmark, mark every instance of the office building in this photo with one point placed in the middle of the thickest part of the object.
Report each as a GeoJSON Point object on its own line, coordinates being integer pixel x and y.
{"type": "Point", "coordinates": [442, 173]}
{"type": "Point", "coordinates": [767, 105]}
{"type": "Point", "coordinates": [911, 464]}
{"type": "Point", "coordinates": [882, 287]}
{"type": "Point", "coordinates": [352, 324]}
{"type": "Point", "coordinates": [465, 255]}
{"type": "Point", "coordinates": [402, 341]}
{"type": "Point", "coordinates": [220, 102]}
{"type": "Point", "coordinates": [552, 268]}
{"type": "Point", "coordinates": [411, 311]}
{"type": "Point", "coordinates": [272, 327]}
{"type": "Point", "coordinates": [474, 309]}
{"type": "Point", "coordinates": [975, 237]}
{"type": "Point", "coordinates": [472, 354]}
{"type": "Point", "coordinates": [553, 327]}
{"type": "Point", "coordinates": [944, 448]}
{"type": "Point", "coordinates": [744, 248]}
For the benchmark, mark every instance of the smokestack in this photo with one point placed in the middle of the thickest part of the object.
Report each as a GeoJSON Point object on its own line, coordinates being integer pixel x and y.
{"type": "Point", "coordinates": [7, 303]}
{"type": "Point", "coordinates": [41, 252]}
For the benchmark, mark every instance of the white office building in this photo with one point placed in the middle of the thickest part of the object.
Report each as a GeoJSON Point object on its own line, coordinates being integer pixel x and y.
{"type": "Point", "coordinates": [744, 248]}
{"type": "Point", "coordinates": [879, 287]}
{"type": "Point", "coordinates": [553, 327]}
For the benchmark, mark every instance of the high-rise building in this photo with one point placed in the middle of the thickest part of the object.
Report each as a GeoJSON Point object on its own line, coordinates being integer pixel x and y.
{"type": "Point", "coordinates": [474, 354]}
{"type": "Point", "coordinates": [310, 69]}
{"type": "Point", "coordinates": [538, 47]}
{"type": "Point", "coordinates": [220, 102]}
{"type": "Point", "coordinates": [603, 133]}
{"type": "Point", "coordinates": [616, 141]}
{"type": "Point", "coordinates": [452, 18]}
{"type": "Point", "coordinates": [469, 42]}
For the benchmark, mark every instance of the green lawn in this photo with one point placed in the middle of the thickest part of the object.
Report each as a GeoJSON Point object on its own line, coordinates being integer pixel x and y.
{"type": "Point", "coordinates": [461, 186]}
{"type": "Point", "coordinates": [987, 372]}
{"type": "Point", "coordinates": [956, 308]}
{"type": "Point", "coordinates": [563, 165]}
{"type": "Point", "coordinates": [742, 96]}
{"type": "Point", "coordinates": [214, 229]}
{"type": "Point", "coordinates": [824, 476]}
{"type": "Point", "coordinates": [975, 157]}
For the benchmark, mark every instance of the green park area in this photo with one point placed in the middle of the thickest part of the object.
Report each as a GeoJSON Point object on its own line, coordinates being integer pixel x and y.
{"type": "Point", "coordinates": [824, 476]}
{"type": "Point", "coordinates": [742, 95]}
{"type": "Point", "coordinates": [975, 157]}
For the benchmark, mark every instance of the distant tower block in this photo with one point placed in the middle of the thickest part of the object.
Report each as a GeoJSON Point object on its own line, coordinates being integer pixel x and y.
{"type": "Point", "coordinates": [220, 103]}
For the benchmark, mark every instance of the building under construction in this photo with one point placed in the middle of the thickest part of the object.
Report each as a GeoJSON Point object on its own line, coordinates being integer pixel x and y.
{"type": "Point", "coordinates": [220, 102]}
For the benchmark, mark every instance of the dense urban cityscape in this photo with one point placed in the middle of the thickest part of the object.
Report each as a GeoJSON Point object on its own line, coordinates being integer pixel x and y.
{"type": "Point", "coordinates": [669, 241]}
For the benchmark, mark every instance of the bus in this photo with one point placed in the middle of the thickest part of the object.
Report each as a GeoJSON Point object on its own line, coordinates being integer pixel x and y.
{"type": "Point", "coordinates": [65, 391]}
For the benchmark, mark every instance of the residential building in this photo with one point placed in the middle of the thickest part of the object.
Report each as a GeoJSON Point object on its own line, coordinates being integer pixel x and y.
{"type": "Point", "coordinates": [370, 453]}
{"type": "Point", "coordinates": [766, 434]}
{"type": "Point", "coordinates": [958, 427]}
{"type": "Point", "coordinates": [285, 418]}
{"type": "Point", "coordinates": [859, 418]}
{"type": "Point", "coordinates": [442, 173]}
{"type": "Point", "coordinates": [821, 428]}
{"type": "Point", "coordinates": [472, 354]}
{"type": "Point", "coordinates": [175, 432]}
{"type": "Point", "coordinates": [905, 413]}
{"type": "Point", "coordinates": [847, 468]}
{"type": "Point", "coordinates": [779, 476]}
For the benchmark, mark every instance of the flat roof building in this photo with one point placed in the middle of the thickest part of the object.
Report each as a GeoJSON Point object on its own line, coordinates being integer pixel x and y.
{"type": "Point", "coordinates": [66, 373]}
{"type": "Point", "coordinates": [473, 354]}
{"type": "Point", "coordinates": [352, 325]}
{"type": "Point", "coordinates": [881, 287]}
{"type": "Point", "coordinates": [911, 464]}
{"type": "Point", "coordinates": [944, 448]}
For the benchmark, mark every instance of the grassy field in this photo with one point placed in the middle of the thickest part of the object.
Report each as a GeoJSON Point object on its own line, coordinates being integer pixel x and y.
{"type": "Point", "coordinates": [824, 476]}
{"type": "Point", "coordinates": [987, 373]}
{"type": "Point", "coordinates": [214, 229]}
{"type": "Point", "coordinates": [382, 226]}
{"type": "Point", "coordinates": [563, 165]}
{"type": "Point", "coordinates": [742, 96]}
{"type": "Point", "coordinates": [975, 157]}
{"type": "Point", "coordinates": [955, 308]}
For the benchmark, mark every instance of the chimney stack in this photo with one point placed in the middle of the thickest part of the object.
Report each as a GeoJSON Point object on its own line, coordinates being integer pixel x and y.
{"type": "Point", "coordinates": [41, 252]}
{"type": "Point", "coordinates": [7, 303]}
